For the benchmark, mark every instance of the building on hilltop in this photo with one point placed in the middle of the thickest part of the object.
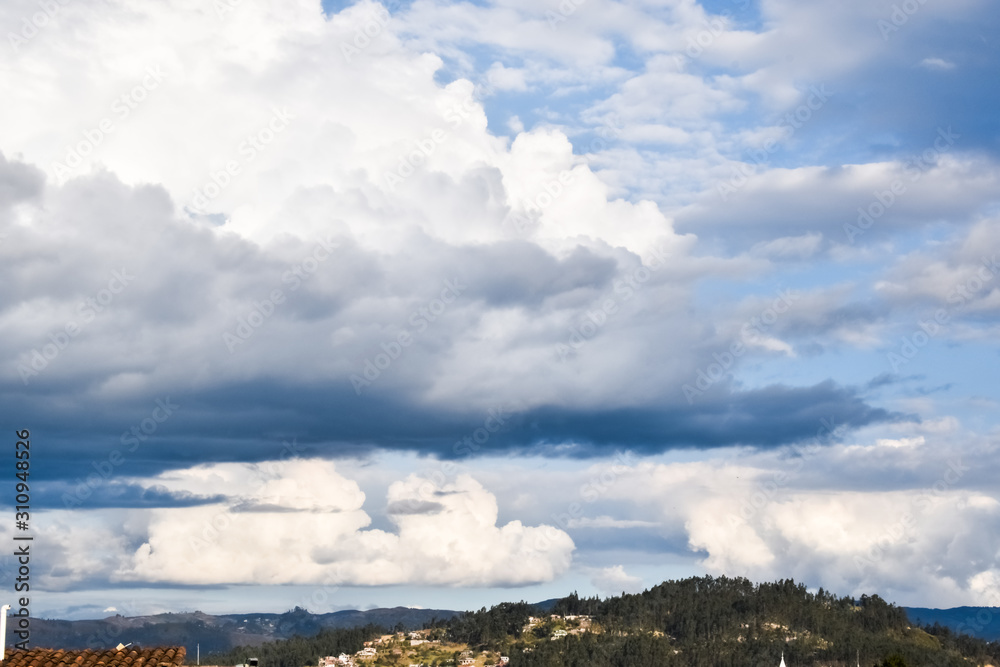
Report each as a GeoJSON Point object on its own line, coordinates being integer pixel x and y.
{"type": "Point", "coordinates": [342, 660]}
{"type": "Point", "coordinates": [367, 653]}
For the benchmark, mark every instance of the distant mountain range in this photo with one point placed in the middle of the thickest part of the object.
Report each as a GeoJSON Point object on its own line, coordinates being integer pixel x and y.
{"type": "Point", "coordinates": [227, 631]}
{"type": "Point", "coordinates": [982, 622]}
{"type": "Point", "coordinates": [216, 633]}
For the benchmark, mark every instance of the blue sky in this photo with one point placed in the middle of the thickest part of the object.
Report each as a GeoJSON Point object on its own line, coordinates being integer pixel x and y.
{"type": "Point", "coordinates": [444, 304]}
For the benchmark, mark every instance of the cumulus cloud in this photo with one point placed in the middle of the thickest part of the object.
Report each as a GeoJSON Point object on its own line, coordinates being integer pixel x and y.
{"type": "Point", "coordinates": [304, 523]}
{"type": "Point", "coordinates": [289, 225]}
{"type": "Point", "coordinates": [962, 276]}
{"type": "Point", "coordinates": [819, 514]}
{"type": "Point", "coordinates": [449, 324]}
{"type": "Point", "coordinates": [341, 227]}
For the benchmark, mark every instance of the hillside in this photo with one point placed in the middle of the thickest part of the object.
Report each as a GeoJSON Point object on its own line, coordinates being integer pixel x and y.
{"type": "Point", "coordinates": [697, 622]}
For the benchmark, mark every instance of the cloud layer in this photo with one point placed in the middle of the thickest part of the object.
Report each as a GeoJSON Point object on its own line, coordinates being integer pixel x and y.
{"type": "Point", "coordinates": [462, 232]}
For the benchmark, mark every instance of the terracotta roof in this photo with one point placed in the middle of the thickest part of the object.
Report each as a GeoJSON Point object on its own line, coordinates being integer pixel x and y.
{"type": "Point", "coordinates": [169, 656]}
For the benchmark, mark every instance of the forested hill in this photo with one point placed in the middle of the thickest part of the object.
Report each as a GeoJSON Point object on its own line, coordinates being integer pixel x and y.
{"type": "Point", "coordinates": [730, 622]}
{"type": "Point", "coordinates": [697, 622]}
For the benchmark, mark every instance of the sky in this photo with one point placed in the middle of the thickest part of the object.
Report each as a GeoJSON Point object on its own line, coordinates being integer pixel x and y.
{"type": "Point", "coordinates": [442, 304]}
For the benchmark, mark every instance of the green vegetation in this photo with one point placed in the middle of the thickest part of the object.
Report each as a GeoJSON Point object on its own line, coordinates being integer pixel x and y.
{"type": "Point", "coordinates": [697, 622]}
{"type": "Point", "coordinates": [298, 651]}
{"type": "Point", "coordinates": [723, 622]}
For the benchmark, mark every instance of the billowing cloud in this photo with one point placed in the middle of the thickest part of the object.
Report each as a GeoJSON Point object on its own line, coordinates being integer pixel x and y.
{"type": "Point", "coordinates": [301, 522]}
{"type": "Point", "coordinates": [504, 229]}
{"type": "Point", "coordinates": [817, 515]}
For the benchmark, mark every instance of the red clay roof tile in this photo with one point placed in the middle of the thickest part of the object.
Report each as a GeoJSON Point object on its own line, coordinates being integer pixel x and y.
{"type": "Point", "coordinates": [172, 656]}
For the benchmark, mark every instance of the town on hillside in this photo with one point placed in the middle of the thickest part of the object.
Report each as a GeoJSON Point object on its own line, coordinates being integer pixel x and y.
{"type": "Point", "coordinates": [429, 648]}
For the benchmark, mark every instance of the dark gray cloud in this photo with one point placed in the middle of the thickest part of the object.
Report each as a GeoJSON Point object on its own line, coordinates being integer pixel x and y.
{"type": "Point", "coordinates": [18, 182]}
{"type": "Point", "coordinates": [145, 380]}
{"type": "Point", "coordinates": [256, 422]}
{"type": "Point", "coordinates": [413, 507]}
{"type": "Point", "coordinates": [96, 486]}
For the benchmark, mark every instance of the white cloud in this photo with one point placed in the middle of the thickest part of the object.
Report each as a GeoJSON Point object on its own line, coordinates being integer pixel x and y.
{"type": "Point", "coordinates": [773, 517]}
{"type": "Point", "coordinates": [295, 141]}
{"type": "Point", "coordinates": [304, 523]}
{"type": "Point", "coordinates": [506, 78]}
{"type": "Point", "coordinates": [605, 521]}
{"type": "Point", "coordinates": [938, 64]}
{"type": "Point", "coordinates": [614, 581]}
{"type": "Point", "coordinates": [789, 247]}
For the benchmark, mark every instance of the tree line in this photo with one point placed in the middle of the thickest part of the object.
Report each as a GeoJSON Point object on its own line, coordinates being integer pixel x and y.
{"type": "Point", "coordinates": [695, 622]}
